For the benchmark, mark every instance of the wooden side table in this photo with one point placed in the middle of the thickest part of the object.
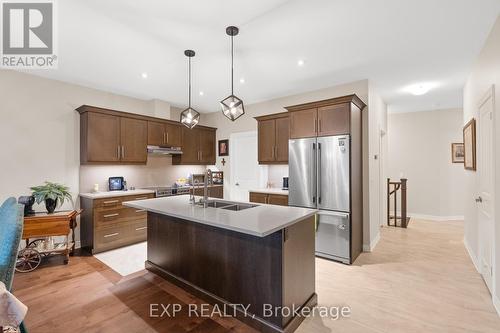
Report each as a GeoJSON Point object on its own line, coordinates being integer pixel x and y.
{"type": "Point", "coordinates": [43, 225]}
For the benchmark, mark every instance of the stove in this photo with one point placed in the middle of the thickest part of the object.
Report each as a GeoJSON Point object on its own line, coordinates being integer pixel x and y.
{"type": "Point", "coordinates": [168, 191]}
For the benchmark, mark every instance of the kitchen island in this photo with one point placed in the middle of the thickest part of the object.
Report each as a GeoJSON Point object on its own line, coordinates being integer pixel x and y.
{"type": "Point", "coordinates": [257, 257]}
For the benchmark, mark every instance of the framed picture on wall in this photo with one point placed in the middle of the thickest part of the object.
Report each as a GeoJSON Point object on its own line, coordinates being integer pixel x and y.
{"type": "Point", "coordinates": [224, 147]}
{"type": "Point", "coordinates": [457, 153]}
{"type": "Point", "coordinates": [470, 145]}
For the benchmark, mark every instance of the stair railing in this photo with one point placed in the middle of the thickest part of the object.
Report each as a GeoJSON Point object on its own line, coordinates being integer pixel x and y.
{"type": "Point", "coordinates": [393, 188]}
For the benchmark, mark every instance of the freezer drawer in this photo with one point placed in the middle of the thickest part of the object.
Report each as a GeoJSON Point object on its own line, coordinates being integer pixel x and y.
{"type": "Point", "coordinates": [332, 236]}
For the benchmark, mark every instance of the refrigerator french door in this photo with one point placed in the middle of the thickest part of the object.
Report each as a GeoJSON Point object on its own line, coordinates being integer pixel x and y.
{"type": "Point", "coordinates": [319, 178]}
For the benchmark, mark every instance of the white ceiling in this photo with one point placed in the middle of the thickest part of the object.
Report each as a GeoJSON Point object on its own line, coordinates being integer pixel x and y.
{"type": "Point", "coordinates": [107, 44]}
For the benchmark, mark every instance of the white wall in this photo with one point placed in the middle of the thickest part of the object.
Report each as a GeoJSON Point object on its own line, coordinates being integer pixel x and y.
{"type": "Point", "coordinates": [39, 136]}
{"type": "Point", "coordinates": [374, 151]}
{"type": "Point", "coordinates": [485, 73]}
{"type": "Point", "coordinates": [420, 150]}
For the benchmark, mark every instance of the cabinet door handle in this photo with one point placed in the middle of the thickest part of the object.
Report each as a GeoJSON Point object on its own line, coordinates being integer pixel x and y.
{"type": "Point", "coordinates": [110, 202]}
{"type": "Point", "coordinates": [141, 228]}
{"type": "Point", "coordinates": [276, 153]}
{"type": "Point", "coordinates": [319, 121]}
{"type": "Point", "coordinates": [201, 156]}
{"type": "Point", "coordinates": [167, 138]}
{"type": "Point", "coordinates": [123, 151]}
{"type": "Point", "coordinates": [272, 153]}
{"type": "Point", "coordinates": [118, 152]}
{"type": "Point", "coordinates": [140, 210]}
{"type": "Point", "coordinates": [111, 235]}
{"type": "Point", "coordinates": [164, 140]}
{"type": "Point", "coordinates": [141, 198]}
{"type": "Point", "coordinates": [110, 215]}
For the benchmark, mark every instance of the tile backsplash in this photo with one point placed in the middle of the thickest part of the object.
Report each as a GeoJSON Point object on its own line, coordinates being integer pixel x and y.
{"type": "Point", "coordinates": [159, 171]}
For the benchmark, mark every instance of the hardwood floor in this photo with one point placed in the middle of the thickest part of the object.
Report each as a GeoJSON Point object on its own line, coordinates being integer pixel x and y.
{"type": "Point", "coordinates": [417, 280]}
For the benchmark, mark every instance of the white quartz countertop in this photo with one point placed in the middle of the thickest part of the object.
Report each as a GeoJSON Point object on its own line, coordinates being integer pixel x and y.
{"type": "Point", "coordinates": [260, 221]}
{"type": "Point", "coordinates": [273, 190]}
{"type": "Point", "coordinates": [109, 194]}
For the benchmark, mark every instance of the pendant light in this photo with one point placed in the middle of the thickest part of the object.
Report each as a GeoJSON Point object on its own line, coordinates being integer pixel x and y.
{"type": "Point", "coordinates": [232, 106]}
{"type": "Point", "coordinates": [190, 117]}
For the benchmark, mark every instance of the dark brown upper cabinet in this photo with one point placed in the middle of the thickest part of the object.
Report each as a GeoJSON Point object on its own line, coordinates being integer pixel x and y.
{"type": "Point", "coordinates": [111, 139]}
{"type": "Point", "coordinates": [323, 118]}
{"type": "Point", "coordinates": [273, 135]}
{"type": "Point", "coordinates": [134, 140]}
{"type": "Point", "coordinates": [303, 123]}
{"type": "Point", "coordinates": [115, 137]}
{"type": "Point", "coordinates": [164, 134]}
{"type": "Point", "coordinates": [198, 146]}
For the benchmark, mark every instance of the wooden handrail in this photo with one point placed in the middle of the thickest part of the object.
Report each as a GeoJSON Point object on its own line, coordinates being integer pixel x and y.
{"type": "Point", "coordinates": [396, 186]}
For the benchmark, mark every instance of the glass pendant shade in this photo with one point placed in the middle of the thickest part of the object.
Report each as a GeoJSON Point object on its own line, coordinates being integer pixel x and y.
{"type": "Point", "coordinates": [232, 107]}
{"type": "Point", "coordinates": [190, 117]}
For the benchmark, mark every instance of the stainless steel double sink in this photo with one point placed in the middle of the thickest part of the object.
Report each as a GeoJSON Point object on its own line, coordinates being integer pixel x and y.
{"type": "Point", "coordinates": [228, 205]}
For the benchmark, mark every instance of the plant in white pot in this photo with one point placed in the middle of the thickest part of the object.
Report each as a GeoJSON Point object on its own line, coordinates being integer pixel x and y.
{"type": "Point", "coordinates": [53, 194]}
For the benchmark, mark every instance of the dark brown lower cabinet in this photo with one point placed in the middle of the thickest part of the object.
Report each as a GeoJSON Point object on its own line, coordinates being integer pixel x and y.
{"type": "Point", "coordinates": [214, 191]}
{"type": "Point", "coordinates": [220, 266]}
{"type": "Point", "coordinates": [106, 224]}
{"type": "Point", "coordinates": [270, 199]}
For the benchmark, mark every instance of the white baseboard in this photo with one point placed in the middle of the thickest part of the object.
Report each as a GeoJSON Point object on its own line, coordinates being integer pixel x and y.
{"type": "Point", "coordinates": [496, 304]}
{"type": "Point", "coordinates": [373, 243]}
{"type": "Point", "coordinates": [435, 217]}
{"type": "Point", "coordinates": [472, 256]}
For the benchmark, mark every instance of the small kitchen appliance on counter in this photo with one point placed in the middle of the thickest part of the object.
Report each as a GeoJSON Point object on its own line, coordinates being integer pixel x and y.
{"type": "Point", "coordinates": [116, 184]}
{"type": "Point", "coordinates": [285, 183]}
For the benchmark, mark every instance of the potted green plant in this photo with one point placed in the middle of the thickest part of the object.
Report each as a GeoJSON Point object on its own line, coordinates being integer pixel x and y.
{"type": "Point", "coordinates": [53, 194]}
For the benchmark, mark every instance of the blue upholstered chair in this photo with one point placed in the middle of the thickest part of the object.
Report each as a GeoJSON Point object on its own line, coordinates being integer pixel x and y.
{"type": "Point", "coordinates": [11, 229]}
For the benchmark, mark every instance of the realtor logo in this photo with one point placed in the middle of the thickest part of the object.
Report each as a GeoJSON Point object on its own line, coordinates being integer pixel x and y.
{"type": "Point", "coordinates": [28, 34]}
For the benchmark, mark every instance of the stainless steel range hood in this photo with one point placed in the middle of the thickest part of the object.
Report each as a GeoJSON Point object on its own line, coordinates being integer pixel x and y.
{"type": "Point", "coordinates": [158, 150]}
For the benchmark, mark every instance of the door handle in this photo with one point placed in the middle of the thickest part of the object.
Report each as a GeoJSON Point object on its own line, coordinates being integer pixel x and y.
{"type": "Point", "coordinates": [314, 173]}
{"type": "Point", "coordinates": [110, 215]}
{"type": "Point", "coordinates": [167, 138]}
{"type": "Point", "coordinates": [164, 140]}
{"type": "Point", "coordinates": [111, 235]}
{"type": "Point", "coordinates": [118, 152]}
{"type": "Point", "coordinates": [123, 151]}
{"type": "Point", "coordinates": [319, 173]}
{"type": "Point", "coordinates": [237, 184]}
{"type": "Point", "coordinates": [341, 226]}
{"type": "Point", "coordinates": [479, 199]}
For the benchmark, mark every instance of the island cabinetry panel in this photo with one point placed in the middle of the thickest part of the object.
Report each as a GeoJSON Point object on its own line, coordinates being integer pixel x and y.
{"type": "Point", "coordinates": [219, 266]}
{"type": "Point", "coordinates": [198, 146]}
{"type": "Point", "coordinates": [273, 135]}
{"type": "Point", "coordinates": [107, 224]}
{"type": "Point", "coordinates": [268, 198]}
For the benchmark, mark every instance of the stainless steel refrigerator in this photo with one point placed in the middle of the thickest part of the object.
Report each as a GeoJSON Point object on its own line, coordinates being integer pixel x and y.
{"type": "Point", "coordinates": [319, 178]}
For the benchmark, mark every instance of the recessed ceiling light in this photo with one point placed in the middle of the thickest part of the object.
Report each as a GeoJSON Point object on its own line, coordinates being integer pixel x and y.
{"type": "Point", "coordinates": [202, 93]}
{"type": "Point", "coordinates": [300, 62]}
{"type": "Point", "coordinates": [242, 80]}
{"type": "Point", "coordinates": [420, 88]}
{"type": "Point", "coordinates": [144, 75]}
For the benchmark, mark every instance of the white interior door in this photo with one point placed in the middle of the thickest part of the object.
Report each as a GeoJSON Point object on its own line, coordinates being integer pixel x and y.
{"type": "Point", "coordinates": [246, 174]}
{"type": "Point", "coordinates": [485, 198]}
